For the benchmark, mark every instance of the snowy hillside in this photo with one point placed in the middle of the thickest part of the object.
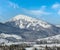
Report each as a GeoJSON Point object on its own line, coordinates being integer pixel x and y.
{"type": "Point", "coordinates": [52, 39]}
{"type": "Point", "coordinates": [3, 35]}
{"type": "Point", "coordinates": [8, 38]}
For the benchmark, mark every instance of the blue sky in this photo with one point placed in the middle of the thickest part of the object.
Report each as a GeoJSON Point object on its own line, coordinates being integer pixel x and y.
{"type": "Point", "coordinates": [48, 10]}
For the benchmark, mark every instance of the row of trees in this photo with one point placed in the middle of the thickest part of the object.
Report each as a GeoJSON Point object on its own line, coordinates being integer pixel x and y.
{"type": "Point", "coordinates": [20, 47]}
{"type": "Point", "coordinates": [14, 47]}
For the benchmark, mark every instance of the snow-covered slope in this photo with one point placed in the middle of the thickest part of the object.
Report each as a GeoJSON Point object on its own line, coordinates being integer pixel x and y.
{"type": "Point", "coordinates": [52, 39]}
{"type": "Point", "coordinates": [3, 41]}
{"type": "Point", "coordinates": [58, 26]}
{"type": "Point", "coordinates": [8, 38]}
{"type": "Point", "coordinates": [3, 35]}
{"type": "Point", "coordinates": [29, 28]}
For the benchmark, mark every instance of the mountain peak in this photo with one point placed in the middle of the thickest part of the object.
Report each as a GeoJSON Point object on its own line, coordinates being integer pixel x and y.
{"type": "Point", "coordinates": [24, 21]}
{"type": "Point", "coordinates": [21, 17]}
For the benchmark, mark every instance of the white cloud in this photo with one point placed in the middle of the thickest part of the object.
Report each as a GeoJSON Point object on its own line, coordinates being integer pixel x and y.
{"type": "Point", "coordinates": [56, 5]}
{"type": "Point", "coordinates": [43, 7]}
{"type": "Point", "coordinates": [37, 12]}
{"type": "Point", "coordinates": [58, 12]}
{"type": "Point", "coordinates": [13, 5]}
{"type": "Point", "coordinates": [56, 8]}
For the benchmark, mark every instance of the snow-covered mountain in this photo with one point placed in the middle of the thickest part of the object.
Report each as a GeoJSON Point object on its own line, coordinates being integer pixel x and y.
{"type": "Point", "coordinates": [23, 21]}
{"type": "Point", "coordinates": [29, 28]}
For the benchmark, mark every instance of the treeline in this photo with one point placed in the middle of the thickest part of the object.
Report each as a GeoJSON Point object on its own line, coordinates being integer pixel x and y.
{"type": "Point", "coordinates": [14, 47]}
{"type": "Point", "coordinates": [22, 47]}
